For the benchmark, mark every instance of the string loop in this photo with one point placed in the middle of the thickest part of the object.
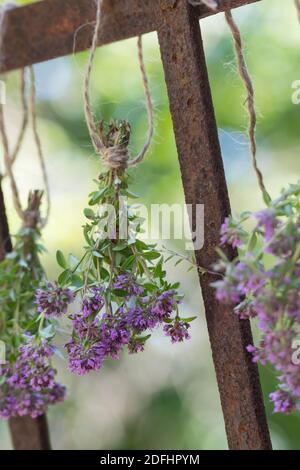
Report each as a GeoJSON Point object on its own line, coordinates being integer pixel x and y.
{"type": "Point", "coordinates": [113, 154]}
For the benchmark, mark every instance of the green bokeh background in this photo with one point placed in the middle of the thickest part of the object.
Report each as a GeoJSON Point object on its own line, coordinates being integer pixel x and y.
{"type": "Point", "coordinates": [166, 398]}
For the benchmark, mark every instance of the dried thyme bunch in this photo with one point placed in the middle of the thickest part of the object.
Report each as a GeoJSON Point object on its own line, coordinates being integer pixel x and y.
{"type": "Point", "coordinates": [120, 280]}
{"type": "Point", "coordinates": [27, 378]}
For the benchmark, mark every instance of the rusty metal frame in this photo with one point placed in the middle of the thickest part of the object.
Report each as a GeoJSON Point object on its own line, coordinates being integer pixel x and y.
{"type": "Point", "coordinates": [45, 30]}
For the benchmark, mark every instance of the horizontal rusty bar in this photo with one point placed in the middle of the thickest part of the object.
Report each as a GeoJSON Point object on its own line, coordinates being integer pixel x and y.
{"type": "Point", "coordinates": [204, 183]}
{"type": "Point", "coordinates": [54, 28]}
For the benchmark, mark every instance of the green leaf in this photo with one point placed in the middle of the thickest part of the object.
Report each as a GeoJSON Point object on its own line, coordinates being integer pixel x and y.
{"type": "Point", "coordinates": [61, 260]}
{"type": "Point", "coordinates": [188, 320]}
{"type": "Point", "coordinates": [120, 246]}
{"type": "Point", "coordinates": [97, 196]}
{"type": "Point", "coordinates": [128, 262]}
{"type": "Point", "coordinates": [252, 242]}
{"type": "Point", "coordinates": [131, 194]}
{"type": "Point", "coordinates": [150, 255]}
{"type": "Point", "coordinates": [267, 198]}
{"type": "Point", "coordinates": [97, 254]}
{"type": "Point", "coordinates": [120, 292]}
{"type": "Point", "coordinates": [64, 277]}
{"type": "Point", "coordinates": [76, 280]}
{"type": "Point", "coordinates": [89, 213]}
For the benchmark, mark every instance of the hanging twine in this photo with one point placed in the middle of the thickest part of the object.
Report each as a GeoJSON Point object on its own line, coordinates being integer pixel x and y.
{"type": "Point", "coordinates": [114, 153]}
{"type": "Point", "coordinates": [10, 158]}
{"type": "Point", "coordinates": [38, 143]}
{"type": "Point", "coordinates": [14, 155]}
{"type": "Point", "coordinates": [245, 76]}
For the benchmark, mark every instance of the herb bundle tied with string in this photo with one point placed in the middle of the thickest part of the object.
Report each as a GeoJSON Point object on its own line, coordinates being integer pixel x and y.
{"type": "Point", "coordinates": [120, 280]}
{"type": "Point", "coordinates": [27, 377]}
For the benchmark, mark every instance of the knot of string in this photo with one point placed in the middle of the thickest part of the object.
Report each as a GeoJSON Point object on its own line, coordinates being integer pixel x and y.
{"type": "Point", "coordinates": [10, 157]}
{"type": "Point", "coordinates": [116, 156]}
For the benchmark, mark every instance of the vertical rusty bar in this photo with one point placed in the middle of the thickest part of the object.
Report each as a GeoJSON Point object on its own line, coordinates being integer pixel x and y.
{"type": "Point", "coordinates": [204, 182]}
{"type": "Point", "coordinates": [26, 433]}
{"type": "Point", "coordinates": [30, 434]}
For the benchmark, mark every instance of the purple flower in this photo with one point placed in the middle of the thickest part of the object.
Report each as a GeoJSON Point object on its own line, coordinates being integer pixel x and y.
{"type": "Point", "coordinates": [29, 386]}
{"type": "Point", "coordinates": [93, 301]}
{"type": "Point", "coordinates": [164, 305]}
{"type": "Point", "coordinates": [177, 331]}
{"type": "Point", "coordinates": [84, 358]}
{"type": "Point", "coordinates": [53, 300]}
{"type": "Point", "coordinates": [114, 335]}
{"type": "Point", "coordinates": [136, 345]}
{"type": "Point", "coordinates": [266, 220]}
{"type": "Point", "coordinates": [126, 283]}
{"type": "Point", "coordinates": [283, 402]}
{"type": "Point", "coordinates": [230, 234]}
{"type": "Point", "coordinates": [141, 318]}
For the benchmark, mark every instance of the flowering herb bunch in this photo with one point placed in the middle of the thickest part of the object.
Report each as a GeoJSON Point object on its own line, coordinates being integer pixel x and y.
{"type": "Point", "coordinates": [27, 378]}
{"type": "Point", "coordinates": [264, 282]}
{"type": "Point", "coordinates": [120, 280]}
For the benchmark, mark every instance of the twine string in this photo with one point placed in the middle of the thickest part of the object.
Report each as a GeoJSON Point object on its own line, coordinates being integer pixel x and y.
{"type": "Point", "coordinates": [245, 76]}
{"type": "Point", "coordinates": [115, 156]}
{"type": "Point", "coordinates": [38, 143]}
{"type": "Point", "coordinates": [10, 158]}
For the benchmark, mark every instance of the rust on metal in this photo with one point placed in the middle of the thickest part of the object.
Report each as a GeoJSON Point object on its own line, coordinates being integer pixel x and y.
{"type": "Point", "coordinates": [204, 183]}
{"type": "Point", "coordinates": [53, 28]}
{"type": "Point", "coordinates": [26, 433]}
{"type": "Point", "coordinates": [30, 434]}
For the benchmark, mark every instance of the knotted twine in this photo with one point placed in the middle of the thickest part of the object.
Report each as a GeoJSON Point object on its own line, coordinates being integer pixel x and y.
{"type": "Point", "coordinates": [9, 158]}
{"type": "Point", "coordinates": [116, 157]}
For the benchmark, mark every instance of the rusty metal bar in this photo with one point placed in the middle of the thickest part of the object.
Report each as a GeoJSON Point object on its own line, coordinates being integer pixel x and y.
{"type": "Point", "coordinates": [54, 28]}
{"type": "Point", "coordinates": [26, 433]}
{"type": "Point", "coordinates": [204, 183]}
{"type": "Point", "coordinates": [30, 434]}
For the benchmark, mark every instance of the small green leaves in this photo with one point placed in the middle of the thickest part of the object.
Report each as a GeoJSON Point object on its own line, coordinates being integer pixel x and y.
{"type": "Point", "coordinates": [188, 320]}
{"type": "Point", "coordinates": [61, 260]}
{"type": "Point", "coordinates": [89, 213]}
{"type": "Point", "coordinates": [97, 196]}
{"type": "Point", "coordinates": [64, 277]}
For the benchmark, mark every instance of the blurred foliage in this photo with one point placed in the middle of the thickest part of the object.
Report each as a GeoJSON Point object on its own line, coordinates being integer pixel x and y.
{"type": "Point", "coordinates": [167, 398]}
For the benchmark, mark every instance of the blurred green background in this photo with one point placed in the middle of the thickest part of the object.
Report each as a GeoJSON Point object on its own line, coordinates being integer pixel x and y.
{"type": "Point", "coordinates": [166, 398]}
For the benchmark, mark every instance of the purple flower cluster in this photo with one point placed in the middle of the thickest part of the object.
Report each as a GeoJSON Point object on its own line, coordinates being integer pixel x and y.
{"type": "Point", "coordinates": [53, 300]}
{"type": "Point", "coordinates": [271, 294]}
{"type": "Point", "coordinates": [126, 283]}
{"type": "Point", "coordinates": [29, 384]}
{"type": "Point", "coordinates": [97, 336]}
{"type": "Point", "coordinates": [178, 331]}
{"type": "Point", "coordinates": [93, 301]}
{"type": "Point", "coordinates": [231, 233]}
